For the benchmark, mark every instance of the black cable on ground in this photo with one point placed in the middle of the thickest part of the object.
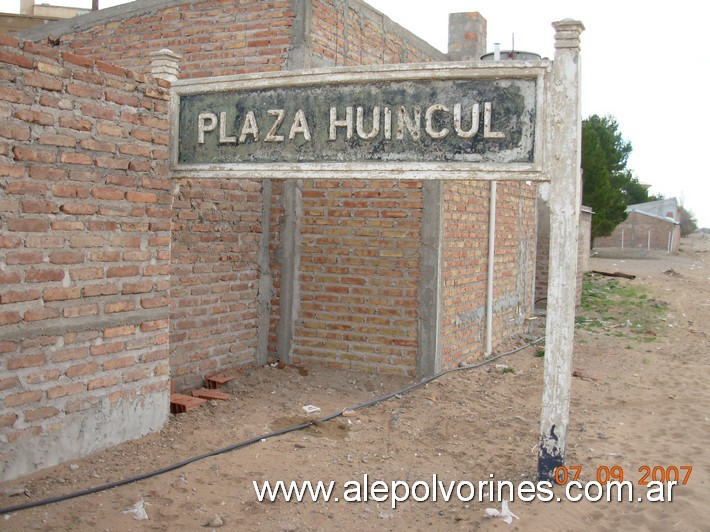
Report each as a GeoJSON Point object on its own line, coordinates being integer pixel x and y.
{"type": "Point", "coordinates": [246, 443]}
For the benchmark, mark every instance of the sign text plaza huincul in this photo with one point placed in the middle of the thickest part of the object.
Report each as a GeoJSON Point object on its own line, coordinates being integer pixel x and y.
{"type": "Point", "coordinates": [396, 122]}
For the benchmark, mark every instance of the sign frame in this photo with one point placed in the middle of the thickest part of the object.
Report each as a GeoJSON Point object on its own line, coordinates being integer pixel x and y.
{"type": "Point", "coordinates": [537, 71]}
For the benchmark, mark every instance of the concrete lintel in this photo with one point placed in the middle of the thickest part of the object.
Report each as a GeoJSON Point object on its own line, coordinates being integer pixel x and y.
{"type": "Point", "coordinates": [430, 281]}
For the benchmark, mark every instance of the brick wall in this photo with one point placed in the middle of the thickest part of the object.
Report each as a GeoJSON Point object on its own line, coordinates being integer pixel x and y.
{"type": "Point", "coordinates": [84, 255]}
{"type": "Point", "coordinates": [359, 272]}
{"type": "Point", "coordinates": [217, 279]}
{"type": "Point", "coordinates": [636, 229]}
{"type": "Point", "coordinates": [466, 212]}
{"type": "Point", "coordinates": [215, 37]}
{"type": "Point", "coordinates": [214, 277]}
{"type": "Point", "coordinates": [353, 33]}
{"type": "Point", "coordinates": [514, 258]}
{"type": "Point", "coordinates": [543, 251]}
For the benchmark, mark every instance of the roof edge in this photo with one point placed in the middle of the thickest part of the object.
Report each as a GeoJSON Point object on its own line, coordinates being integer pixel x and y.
{"type": "Point", "coordinates": [657, 217]}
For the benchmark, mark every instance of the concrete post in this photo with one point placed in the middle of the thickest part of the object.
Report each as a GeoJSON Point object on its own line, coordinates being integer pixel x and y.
{"type": "Point", "coordinates": [565, 192]}
{"type": "Point", "coordinates": [290, 259]}
{"type": "Point", "coordinates": [467, 36]}
{"type": "Point", "coordinates": [430, 281]}
{"type": "Point", "coordinates": [165, 64]}
{"type": "Point", "coordinates": [266, 281]}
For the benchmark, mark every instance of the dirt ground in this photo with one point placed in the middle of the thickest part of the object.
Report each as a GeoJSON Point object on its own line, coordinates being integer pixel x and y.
{"type": "Point", "coordinates": [640, 398]}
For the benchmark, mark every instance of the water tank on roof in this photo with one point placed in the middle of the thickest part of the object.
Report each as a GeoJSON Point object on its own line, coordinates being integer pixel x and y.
{"type": "Point", "coordinates": [511, 55]}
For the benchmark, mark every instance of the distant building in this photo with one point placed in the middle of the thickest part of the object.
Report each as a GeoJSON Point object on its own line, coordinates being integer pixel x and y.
{"type": "Point", "coordinates": [651, 226]}
{"type": "Point", "coordinates": [32, 14]}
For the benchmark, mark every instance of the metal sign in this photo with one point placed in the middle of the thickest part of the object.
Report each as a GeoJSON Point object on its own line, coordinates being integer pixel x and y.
{"type": "Point", "coordinates": [438, 121]}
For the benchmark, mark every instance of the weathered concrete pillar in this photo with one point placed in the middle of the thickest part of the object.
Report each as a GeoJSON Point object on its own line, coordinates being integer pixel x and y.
{"type": "Point", "coordinates": [266, 281]}
{"type": "Point", "coordinates": [289, 252]}
{"type": "Point", "coordinates": [430, 281]}
{"type": "Point", "coordinates": [467, 36]}
{"type": "Point", "coordinates": [299, 54]}
{"type": "Point", "coordinates": [165, 64]}
{"type": "Point", "coordinates": [564, 140]}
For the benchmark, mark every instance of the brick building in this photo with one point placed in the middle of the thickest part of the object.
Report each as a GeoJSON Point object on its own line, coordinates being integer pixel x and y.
{"type": "Point", "coordinates": [651, 226]}
{"type": "Point", "coordinates": [118, 279]}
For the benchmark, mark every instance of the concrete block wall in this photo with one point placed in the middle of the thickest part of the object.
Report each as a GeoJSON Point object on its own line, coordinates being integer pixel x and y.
{"type": "Point", "coordinates": [85, 209]}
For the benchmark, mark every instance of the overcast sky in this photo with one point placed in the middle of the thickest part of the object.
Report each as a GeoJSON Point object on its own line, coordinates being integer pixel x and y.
{"type": "Point", "coordinates": [643, 65]}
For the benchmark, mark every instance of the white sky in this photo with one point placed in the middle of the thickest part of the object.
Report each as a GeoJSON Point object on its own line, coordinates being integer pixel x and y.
{"type": "Point", "coordinates": [641, 64]}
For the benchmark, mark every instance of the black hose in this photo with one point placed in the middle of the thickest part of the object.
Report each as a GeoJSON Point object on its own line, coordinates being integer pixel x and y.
{"type": "Point", "coordinates": [246, 443]}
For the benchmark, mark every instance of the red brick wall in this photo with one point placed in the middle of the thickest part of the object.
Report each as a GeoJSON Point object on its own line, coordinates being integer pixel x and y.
{"type": "Point", "coordinates": [214, 277]}
{"type": "Point", "coordinates": [217, 223]}
{"type": "Point", "coordinates": [514, 287]}
{"type": "Point", "coordinates": [84, 255]}
{"type": "Point", "coordinates": [466, 215]}
{"type": "Point", "coordinates": [359, 273]}
{"type": "Point", "coordinates": [353, 33]}
{"type": "Point", "coordinates": [542, 265]}
{"type": "Point", "coordinates": [215, 37]}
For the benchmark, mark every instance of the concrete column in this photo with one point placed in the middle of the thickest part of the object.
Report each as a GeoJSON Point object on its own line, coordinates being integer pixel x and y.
{"type": "Point", "coordinates": [266, 281]}
{"type": "Point", "coordinates": [431, 281]}
{"type": "Point", "coordinates": [290, 265]}
{"type": "Point", "coordinates": [299, 54]}
{"type": "Point", "coordinates": [564, 143]}
{"type": "Point", "coordinates": [467, 36]}
{"type": "Point", "coordinates": [165, 64]}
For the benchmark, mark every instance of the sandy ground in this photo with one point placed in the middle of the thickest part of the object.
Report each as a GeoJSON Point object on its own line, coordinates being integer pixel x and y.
{"type": "Point", "coordinates": [640, 400]}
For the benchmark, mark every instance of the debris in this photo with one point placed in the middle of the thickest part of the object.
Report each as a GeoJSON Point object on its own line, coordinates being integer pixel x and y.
{"type": "Point", "coordinates": [672, 273]}
{"type": "Point", "coordinates": [205, 393]}
{"type": "Point", "coordinates": [580, 375]}
{"type": "Point", "coordinates": [14, 492]}
{"type": "Point", "coordinates": [137, 511]}
{"type": "Point", "coordinates": [180, 403]}
{"type": "Point", "coordinates": [215, 522]}
{"type": "Point", "coordinates": [616, 455]}
{"type": "Point", "coordinates": [311, 409]}
{"type": "Point", "coordinates": [348, 413]}
{"type": "Point", "coordinates": [615, 274]}
{"type": "Point", "coordinates": [505, 514]}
